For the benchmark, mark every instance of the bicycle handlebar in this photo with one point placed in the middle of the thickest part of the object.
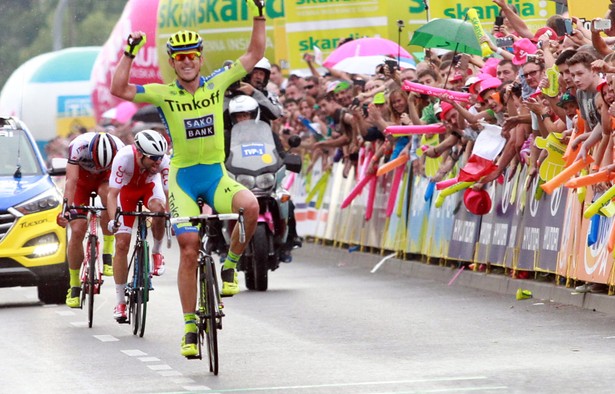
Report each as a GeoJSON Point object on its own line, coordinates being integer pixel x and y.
{"type": "Point", "coordinates": [205, 217]}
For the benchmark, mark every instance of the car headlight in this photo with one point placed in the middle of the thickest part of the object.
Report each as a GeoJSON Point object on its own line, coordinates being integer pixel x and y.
{"type": "Point", "coordinates": [43, 202]}
{"type": "Point", "coordinates": [265, 181]}
{"type": "Point", "coordinates": [45, 245]}
{"type": "Point", "coordinates": [246, 180]}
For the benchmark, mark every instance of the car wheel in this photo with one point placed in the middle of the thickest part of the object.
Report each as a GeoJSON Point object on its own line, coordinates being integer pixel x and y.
{"type": "Point", "coordinates": [53, 292]}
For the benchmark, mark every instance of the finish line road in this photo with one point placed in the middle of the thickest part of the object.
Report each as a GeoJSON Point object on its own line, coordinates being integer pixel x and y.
{"type": "Point", "coordinates": [326, 325]}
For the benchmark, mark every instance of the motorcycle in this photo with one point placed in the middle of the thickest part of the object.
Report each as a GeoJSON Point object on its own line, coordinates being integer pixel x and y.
{"type": "Point", "coordinates": [255, 163]}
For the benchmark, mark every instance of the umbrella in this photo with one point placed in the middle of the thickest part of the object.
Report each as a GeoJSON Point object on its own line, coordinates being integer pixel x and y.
{"type": "Point", "coordinates": [147, 114]}
{"type": "Point", "coordinates": [369, 46]}
{"type": "Point", "coordinates": [367, 64]}
{"type": "Point", "coordinates": [454, 34]}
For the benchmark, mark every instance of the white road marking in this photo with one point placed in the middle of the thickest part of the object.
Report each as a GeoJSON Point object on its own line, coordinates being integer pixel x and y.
{"type": "Point", "coordinates": [79, 323]}
{"type": "Point", "coordinates": [197, 388]}
{"type": "Point", "coordinates": [65, 313]}
{"type": "Point", "coordinates": [148, 359]}
{"type": "Point", "coordinates": [173, 373]}
{"type": "Point", "coordinates": [133, 352]}
{"type": "Point", "coordinates": [410, 381]}
{"type": "Point", "coordinates": [182, 380]}
{"type": "Point", "coordinates": [106, 338]}
{"type": "Point", "coordinates": [159, 367]}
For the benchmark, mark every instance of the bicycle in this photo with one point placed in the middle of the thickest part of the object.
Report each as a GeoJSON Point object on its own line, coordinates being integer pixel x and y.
{"type": "Point", "coordinates": [91, 268]}
{"type": "Point", "coordinates": [137, 290]}
{"type": "Point", "coordinates": [210, 307]}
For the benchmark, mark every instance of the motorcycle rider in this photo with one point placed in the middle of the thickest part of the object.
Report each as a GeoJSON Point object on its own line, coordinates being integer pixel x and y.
{"type": "Point", "coordinates": [241, 108]}
{"type": "Point", "coordinates": [254, 85]}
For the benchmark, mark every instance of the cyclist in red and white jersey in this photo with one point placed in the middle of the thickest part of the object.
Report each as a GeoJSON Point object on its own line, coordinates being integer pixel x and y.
{"type": "Point", "coordinates": [89, 163]}
{"type": "Point", "coordinates": [139, 172]}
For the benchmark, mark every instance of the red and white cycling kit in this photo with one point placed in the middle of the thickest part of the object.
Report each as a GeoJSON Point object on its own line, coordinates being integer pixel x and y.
{"type": "Point", "coordinates": [90, 177]}
{"type": "Point", "coordinates": [136, 184]}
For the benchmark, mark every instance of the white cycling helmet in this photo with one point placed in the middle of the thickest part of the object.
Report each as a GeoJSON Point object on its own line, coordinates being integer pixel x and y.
{"type": "Point", "coordinates": [102, 150]}
{"type": "Point", "coordinates": [264, 65]}
{"type": "Point", "coordinates": [151, 143]}
{"type": "Point", "coordinates": [243, 103]}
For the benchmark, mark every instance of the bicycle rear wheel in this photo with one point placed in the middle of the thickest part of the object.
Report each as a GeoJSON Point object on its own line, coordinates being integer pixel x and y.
{"type": "Point", "coordinates": [144, 288]}
{"type": "Point", "coordinates": [211, 326]}
{"type": "Point", "coordinates": [91, 279]}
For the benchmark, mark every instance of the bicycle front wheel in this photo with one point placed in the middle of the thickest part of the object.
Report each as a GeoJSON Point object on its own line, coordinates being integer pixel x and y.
{"type": "Point", "coordinates": [211, 326]}
{"type": "Point", "coordinates": [144, 288]}
{"type": "Point", "coordinates": [137, 293]}
{"type": "Point", "coordinates": [91, 279]}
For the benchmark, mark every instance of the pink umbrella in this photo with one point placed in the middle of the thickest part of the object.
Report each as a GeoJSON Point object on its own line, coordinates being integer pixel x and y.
{"type": "Point", "coordinates": [369, 46]}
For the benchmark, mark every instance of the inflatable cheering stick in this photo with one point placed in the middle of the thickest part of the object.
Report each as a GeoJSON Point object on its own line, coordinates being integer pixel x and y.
{"type": "Point", "coordinates": [478, 31]}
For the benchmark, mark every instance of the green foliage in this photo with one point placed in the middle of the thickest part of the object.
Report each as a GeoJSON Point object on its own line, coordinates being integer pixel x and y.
{"type": "Point", "coordinates": [28, 28]}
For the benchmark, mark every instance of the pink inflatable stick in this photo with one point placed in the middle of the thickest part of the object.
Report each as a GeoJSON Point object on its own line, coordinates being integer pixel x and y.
{"type": "Point", "coordinates": [369, 210]}
{"type": "Point", "coordinates": [357, 190]}
{"type": "Point", "coordinates": [399, 172]}
{"type": "Point", "coordinates": [435, 128]}
{"type": "Point", "coordinates": [446, 183]}
{"type": "Point", "coordinates": [288, 182]}
{"type": "Point", "coordinates": [432, 91]}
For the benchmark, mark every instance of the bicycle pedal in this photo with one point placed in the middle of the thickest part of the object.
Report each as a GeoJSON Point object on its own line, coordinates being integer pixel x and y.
{"type": "Point", "coordinates": [197, 357]}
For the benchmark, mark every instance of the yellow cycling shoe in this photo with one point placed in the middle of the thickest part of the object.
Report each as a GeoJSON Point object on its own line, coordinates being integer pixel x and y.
{"type": "Point", "coordinates": [189, 345]}
{"type": "Point", "coordinates": [107, 270]}
{"type": "Point", "coordinates": [73, 297]}
{"type": "Point", "coordinates": [230, 282]}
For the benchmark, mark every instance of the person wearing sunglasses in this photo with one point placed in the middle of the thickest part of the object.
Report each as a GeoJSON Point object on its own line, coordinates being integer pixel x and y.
{"type": "Point", "coordinates": [192, 109]}
{"type": "Point", "coordinates": [139, 172]}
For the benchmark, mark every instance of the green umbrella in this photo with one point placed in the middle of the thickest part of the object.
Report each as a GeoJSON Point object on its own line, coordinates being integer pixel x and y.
{"type": "Point", "coordinates": [454, 34]}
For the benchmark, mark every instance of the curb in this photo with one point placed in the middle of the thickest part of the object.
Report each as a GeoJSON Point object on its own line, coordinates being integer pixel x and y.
{"type": "Point", "coordinates": [495, 283]}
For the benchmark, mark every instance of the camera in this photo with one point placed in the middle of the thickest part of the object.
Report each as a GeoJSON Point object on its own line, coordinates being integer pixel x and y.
{"type": "Point", "coordinates": [602, 24]}
{"type": "Point", "coordinates": [364, 108]}
{"type": "Point", "coordinates": [286, 131]}
{"type": "Point", "coordinates": [499, 21]}
{"type": "Point", "coordinates": [504, 42]}
{"type": "Point", "coordinates": [392, 65]}
{"type": "Point", "coordinates": [516, 88]}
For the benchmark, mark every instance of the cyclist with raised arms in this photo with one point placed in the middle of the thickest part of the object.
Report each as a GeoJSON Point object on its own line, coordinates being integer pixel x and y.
{"type": "Point", "coordinates": [89, 164]}
{"type": "Point", "coordinates": [139, 172]}
{"type": "Point", "coordinates": [192, 109]}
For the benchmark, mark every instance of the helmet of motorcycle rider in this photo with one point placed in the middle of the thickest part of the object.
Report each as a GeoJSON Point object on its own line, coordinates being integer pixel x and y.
{"type": "Point", "coordinates": [151, 143]}
{"type": "Point", "coordinates": [263, 65]}
{"type": "Point", "coordinates": [243, 104]}
{"type": "Point", "coordinates": [102, 150]}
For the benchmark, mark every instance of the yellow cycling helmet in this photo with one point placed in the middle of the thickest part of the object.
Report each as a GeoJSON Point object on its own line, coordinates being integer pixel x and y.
{"type": "Point", "coordinates": [183, 41]}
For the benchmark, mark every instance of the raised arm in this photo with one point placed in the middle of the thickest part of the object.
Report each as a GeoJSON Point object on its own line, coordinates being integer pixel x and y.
{"type": "Point", "coordinates": [120, 86]}
{"type": "Point", "coordinates": [258, 40]}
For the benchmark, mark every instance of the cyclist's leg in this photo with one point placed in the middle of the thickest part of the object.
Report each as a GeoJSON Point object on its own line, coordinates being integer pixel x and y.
{"type": "Point", "coordinates": [230, 196]}
{"type": "Point", "coordinates": [182, 202]}
{"type": "Point", "coordinates": [120, 273]}
{"type": "Point", "coordinates": [108, 238]}
{"type": "Point", "coordinates": [78, 228]}
{"type": "Point", "coordinates": [156, 202]}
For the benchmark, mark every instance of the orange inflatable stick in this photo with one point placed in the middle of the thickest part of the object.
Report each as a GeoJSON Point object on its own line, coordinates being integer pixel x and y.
{"type": "Point", "coordinates": [611, 244]}
{"type": "Point", "coordinates": [592, 179]}
{"type": "Point", "coordinates": [566, 174]}
{"type": "Point", "coordinates": [393, 164]}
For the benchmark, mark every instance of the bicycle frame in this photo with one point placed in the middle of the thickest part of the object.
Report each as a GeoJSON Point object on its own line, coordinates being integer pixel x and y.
{"type": "Point", "coordinates": [137, 290]}
{"type": "Point", "coordinates": [91, 269]}
{"type": "Point", "coordinates": [209, 302]}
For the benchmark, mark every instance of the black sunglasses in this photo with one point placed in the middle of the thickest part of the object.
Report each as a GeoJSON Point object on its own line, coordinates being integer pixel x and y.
{"type": "Point", "coordinates": [155, 158]}
{"type": "Point", "coordinates": [308, 86]}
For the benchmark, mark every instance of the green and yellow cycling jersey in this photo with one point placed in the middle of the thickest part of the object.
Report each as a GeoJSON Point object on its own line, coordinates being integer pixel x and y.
{"type": "Point", "coordinates": [195, 122]}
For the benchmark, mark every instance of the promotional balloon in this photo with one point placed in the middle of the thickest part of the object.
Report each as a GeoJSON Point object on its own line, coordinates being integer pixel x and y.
{"type": "Point", "coordinates": [51, 93]}
{"type": "Point", "coordinates": [138, 15]}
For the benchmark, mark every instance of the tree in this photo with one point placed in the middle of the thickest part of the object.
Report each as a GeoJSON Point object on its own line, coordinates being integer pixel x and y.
{"type": "Point", "coordinates": [27, 28]}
